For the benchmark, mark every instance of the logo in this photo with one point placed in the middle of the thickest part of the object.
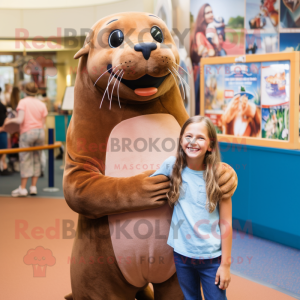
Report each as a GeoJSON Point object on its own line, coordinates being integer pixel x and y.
{"type": "Point", "coordinates": [39, 258]}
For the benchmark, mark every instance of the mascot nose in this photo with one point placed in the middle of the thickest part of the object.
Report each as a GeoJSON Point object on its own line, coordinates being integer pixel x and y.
{"type": "Point", "coordinates": [146, 49]}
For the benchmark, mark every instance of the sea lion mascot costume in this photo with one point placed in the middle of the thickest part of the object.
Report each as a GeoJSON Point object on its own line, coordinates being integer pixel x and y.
{"type": "Point", "coordinates": [127, 116]}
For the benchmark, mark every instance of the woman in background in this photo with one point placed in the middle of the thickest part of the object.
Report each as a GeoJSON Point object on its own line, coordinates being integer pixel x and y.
{"type": "Point", "coordinates": [3, 141]}
{"type": "Point", "coordinates": [241, 117]}
{"type": "Point", "coordinates": [31, 117]}
{"type": "Point", "coordinates": [14, 137]}
{"type": "Point", "coordinates": [14, 98]}
{"type": "Point", "coordinates": [204, 42]}
{"type": "Point", "coordinates": [6, 94]}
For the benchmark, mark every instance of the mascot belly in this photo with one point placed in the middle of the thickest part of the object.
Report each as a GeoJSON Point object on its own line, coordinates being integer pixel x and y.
{"type": "Point", "coordinates": [145, 241]}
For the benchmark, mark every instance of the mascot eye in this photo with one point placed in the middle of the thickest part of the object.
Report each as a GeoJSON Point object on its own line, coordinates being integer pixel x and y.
{"type": "Point", "coordinates": [116, 38]}
{"type": "Point", "coordinates": [157, 34]}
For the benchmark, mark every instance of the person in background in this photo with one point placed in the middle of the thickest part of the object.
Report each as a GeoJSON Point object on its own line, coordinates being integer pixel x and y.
{"type": "Point", "coordinates": [31, 117]}
{"type": "Point", "coordinates": [1, 96]}
{"type": "Point", "coordinates": [203, 38]}
{"type": "Point", "coordinates": [13, 159]}
{"type": "Point", "coordinates": [42, 96]}
{"type": "Point", "coordinates": [7, 93]}
{"type": "Point", "coordinates": [204, 42]}
{"type": "Point", "coordinates": [241, 117]}
{"type": "Point", "coordinates": [21, 89]}
{"type": "Point", "coordinates": [14, 98]}
{"type": "Point", "coordinates": [3, 142]}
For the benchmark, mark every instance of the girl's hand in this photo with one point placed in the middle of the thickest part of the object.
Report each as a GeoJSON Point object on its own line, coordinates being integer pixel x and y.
{"type": "Point", "coordinates": [223, 274]}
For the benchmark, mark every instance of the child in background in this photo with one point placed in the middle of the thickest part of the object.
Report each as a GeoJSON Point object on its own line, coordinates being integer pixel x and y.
{"type": "Point", "coordinates": [198, 207]}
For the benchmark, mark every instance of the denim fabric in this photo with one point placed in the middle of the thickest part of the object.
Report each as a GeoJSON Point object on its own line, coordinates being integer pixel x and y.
{"type": "Point", "coordinates": [190, 272]}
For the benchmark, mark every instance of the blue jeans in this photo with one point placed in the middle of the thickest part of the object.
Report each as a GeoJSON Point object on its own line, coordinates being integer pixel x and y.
{"type": "Point", "coordinates": [191, 271]}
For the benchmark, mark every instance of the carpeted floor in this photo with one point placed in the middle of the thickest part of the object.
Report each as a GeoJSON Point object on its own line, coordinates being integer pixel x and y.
{"type": "Point", "coordinates": [265, 261]}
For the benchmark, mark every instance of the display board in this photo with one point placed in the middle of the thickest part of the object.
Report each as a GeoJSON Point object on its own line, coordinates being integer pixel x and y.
{"type": "Point", "coordinates": [255, 102]}
{"type": "Point", "coordinates": [248, 27]}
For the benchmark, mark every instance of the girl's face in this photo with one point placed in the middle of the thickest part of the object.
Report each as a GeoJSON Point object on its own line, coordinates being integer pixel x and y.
{"type": "Point", "coordinates": [208, 15]}
{"type": "Point", "coordinates": [195, 141]}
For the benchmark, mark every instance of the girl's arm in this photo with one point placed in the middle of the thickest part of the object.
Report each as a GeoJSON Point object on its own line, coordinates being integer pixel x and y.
{"type": "Point", "coordinates": [223, 273]}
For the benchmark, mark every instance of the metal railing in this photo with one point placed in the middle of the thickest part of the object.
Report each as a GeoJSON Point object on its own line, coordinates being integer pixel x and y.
{"type": "Point", "coordinates": [51, 146]}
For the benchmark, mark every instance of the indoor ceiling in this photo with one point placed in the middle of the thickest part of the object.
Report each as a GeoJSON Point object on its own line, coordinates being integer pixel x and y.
{"type": "Point", "coordinates": [38, 4]}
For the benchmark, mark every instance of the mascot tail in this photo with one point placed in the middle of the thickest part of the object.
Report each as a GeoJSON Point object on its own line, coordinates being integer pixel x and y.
{"type": "Point", "coordinates": [145, 294]}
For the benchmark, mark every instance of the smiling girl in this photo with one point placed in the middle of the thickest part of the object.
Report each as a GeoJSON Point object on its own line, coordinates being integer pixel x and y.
{"type": "Point", "coordinates": [201, 227]}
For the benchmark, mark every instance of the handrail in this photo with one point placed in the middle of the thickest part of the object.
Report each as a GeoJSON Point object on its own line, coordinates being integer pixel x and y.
{"type": "Point", "coordinates": [36, 148]}
{"type": "Point", "coordinates": [50, 147]}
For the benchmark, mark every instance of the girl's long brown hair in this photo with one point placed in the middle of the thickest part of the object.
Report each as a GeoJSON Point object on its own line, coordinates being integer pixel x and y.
{"type": "Point", "coordinates": [200, 26]}
{"type": "Point", "coordinates": [211, 160]}
{"type": "Point", "coordinates": [14, 98]}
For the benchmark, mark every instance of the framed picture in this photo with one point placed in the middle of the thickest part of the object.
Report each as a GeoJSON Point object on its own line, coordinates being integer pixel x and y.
{"type": "Point", "coordinates": [255, 102]}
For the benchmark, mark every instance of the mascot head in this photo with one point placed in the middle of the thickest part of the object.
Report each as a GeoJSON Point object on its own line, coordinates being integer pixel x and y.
{"type": "Point", "coordinates": [130, 56]}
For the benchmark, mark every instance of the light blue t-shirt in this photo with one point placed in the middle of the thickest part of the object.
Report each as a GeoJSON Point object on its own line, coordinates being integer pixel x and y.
{"type": "Point", "coordinates": [194, 232]}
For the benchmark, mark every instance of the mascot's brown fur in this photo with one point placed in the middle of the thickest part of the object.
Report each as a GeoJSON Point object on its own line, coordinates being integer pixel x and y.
{"type": "Point", "coordinates": [124, 220]}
